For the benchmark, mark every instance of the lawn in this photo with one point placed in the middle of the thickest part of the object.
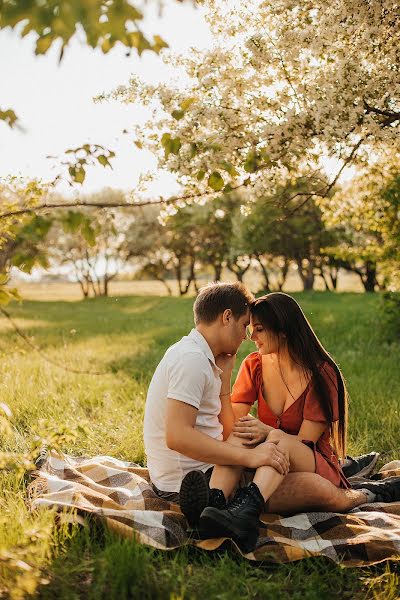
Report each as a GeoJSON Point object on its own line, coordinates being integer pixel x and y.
{"type": "Point", "coordinates": [121, 340]}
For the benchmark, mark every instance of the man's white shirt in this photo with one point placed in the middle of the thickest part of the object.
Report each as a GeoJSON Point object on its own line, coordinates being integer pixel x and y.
{"type": "Point", "coordinates": [187, 373]}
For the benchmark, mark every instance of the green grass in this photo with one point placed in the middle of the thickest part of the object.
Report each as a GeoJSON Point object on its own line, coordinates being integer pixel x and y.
{"type": "Point", "coordinates": [124, 338]}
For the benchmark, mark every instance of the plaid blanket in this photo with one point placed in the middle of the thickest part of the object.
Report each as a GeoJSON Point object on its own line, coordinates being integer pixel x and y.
{"type": "Point", "coordinates": [120, 494]}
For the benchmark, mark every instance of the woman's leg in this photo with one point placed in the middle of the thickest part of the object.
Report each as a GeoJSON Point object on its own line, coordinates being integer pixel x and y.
{"type": "Point", "coordinates": [226, 478]}
{"type": "Point", "coordinates": [301, 459]}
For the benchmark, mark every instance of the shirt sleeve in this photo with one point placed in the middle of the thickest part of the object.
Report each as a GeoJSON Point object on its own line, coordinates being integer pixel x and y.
{"type": "Point", "coordinates": [187, 378]}
{"type": "Point", "coordinates": [245, 388]}
{"type": "Point", "coordinates": [312, 406]}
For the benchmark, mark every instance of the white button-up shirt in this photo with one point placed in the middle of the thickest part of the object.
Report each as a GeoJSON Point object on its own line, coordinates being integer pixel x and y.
{"type": "Point", "coordinates": [187, 373]}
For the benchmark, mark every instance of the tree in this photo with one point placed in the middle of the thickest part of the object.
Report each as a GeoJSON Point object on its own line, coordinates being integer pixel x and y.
{"type": "Point", "coordinates": [368, 210]}
{"type": "Point", "coordinates": [92, 243]}
{"type": "Point", "coordinates": [283, 84]}
{"type": "Point", "coordinates": [168, 249]}
{"type": "Point", "coordinates": [146, 244]}
{"type": "Point", "coordinates": [21, 235]}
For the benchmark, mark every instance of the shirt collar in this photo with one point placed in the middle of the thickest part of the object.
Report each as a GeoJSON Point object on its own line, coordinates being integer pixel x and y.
{"type": "Point", "coordinates": [202, 342]}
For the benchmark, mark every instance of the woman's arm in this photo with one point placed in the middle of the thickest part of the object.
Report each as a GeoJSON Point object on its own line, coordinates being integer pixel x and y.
{"type": "Point", "coordinates": [309, 430]}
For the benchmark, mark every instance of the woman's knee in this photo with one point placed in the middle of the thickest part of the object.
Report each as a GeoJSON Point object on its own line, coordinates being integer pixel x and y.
{"type": "Point", "coordinates": [275, 436]}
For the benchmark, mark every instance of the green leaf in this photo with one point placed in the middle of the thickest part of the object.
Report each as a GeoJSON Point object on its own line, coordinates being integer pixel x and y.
{"type": "Point", "coordinates": [14, 293]}
{"type": "Point", "coordinates": [88, 233]}
{"type": "Point", "coordinates": [159, 44]}
{"type": "Point", "coordinates": [9, 117]}
{"type": "Point", "coordinates": [251, 164]}
{"type": "Point", "coordinates": [229, 168]}
{"type": "Point", "coordinates": [166, 143]}
{"type": "Point", "coordinates": [44, 43]}
{"type": "Point", "coordinates": [200, 175]}
{"type": "Point", "coordinates": [80, 175]}
{"type": "Point", "coordinates": [178, 114]}
{"type": "Point", "coordinates": [215, 181]}
{"type": "Point", "coordinates": [72, 221]}
{"type": "Point", "coordinates": [103, 160]}
{"type": "Point", "coordinates": [106, 45]}
{"type": "Point", "coordinates": [193, 150]}
{"type": "Point", "coordinates": [186, 103]}
{"type": "Point", "coordinates": [137, 40]}
{"type": "Point", "coordinates": [4, 298]}
{"type": "Point", "coordinates": [176, 145]}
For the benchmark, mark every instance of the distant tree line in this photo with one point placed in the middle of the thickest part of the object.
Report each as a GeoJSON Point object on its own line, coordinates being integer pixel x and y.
{"type": "Point", "coordinates": [357, 229]}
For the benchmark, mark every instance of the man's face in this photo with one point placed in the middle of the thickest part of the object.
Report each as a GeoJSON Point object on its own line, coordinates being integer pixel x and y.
{"type": "Point", "coordinates": [236, 332]}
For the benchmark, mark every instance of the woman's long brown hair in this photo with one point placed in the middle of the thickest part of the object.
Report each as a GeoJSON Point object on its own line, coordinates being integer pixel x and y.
{"type": "Point", "coordinates": [281, 314]}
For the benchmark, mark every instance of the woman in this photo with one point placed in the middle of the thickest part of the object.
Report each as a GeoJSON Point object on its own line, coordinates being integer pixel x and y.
{"type": "Point", "coordinates": [301, 395]}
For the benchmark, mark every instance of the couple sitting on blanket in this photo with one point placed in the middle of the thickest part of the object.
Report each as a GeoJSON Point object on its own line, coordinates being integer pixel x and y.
{"type": "Point", "coordinates": [224, 466]}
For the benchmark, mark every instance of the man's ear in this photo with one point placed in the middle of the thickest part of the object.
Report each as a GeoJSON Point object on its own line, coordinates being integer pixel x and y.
{"type": "Point", "coordinates": [226, 316]}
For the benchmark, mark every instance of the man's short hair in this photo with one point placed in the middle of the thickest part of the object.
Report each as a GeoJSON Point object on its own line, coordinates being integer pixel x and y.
{"type": "Point", "coordinates": [214, 298]}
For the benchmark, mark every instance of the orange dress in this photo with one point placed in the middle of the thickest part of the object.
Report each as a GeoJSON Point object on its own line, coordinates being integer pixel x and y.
{"type": "Point", "coordinates": [248, 389]}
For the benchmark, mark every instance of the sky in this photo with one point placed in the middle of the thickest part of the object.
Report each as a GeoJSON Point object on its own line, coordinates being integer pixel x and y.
{"type": "Point", "coordinates": [54, 102]}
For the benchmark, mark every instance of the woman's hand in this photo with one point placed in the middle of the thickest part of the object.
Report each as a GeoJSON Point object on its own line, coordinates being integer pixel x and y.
{"type": "Point", "coordinates": [252, 430]}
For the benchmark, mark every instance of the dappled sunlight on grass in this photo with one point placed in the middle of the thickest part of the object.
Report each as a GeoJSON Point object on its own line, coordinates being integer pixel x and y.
{"type": "Point", "coordinates": [125, 338]}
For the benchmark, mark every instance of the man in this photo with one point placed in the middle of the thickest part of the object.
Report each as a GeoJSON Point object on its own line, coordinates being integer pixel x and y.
{"type": "Point", "coordinates": [188, 408]}
{"type": "Point", "coordinates": [187, 401]}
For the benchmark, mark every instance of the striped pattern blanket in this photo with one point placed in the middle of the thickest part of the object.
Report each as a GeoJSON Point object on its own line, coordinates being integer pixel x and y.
{"type": "Point", "coordinates": [120, 494]}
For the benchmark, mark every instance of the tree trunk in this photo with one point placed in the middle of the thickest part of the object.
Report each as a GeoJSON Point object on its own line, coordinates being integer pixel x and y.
{"type": "Point", "coordinates": [195, 284]}
{"type": "Point", "coordinates": [333, 275]}
{"type": "Point", "coordinates": [191, 275]}
{"type": "Point", "coordinates": [324, 279]}
{"type": "Point", "coordinates": [169, 290]}
{"type": "Point", "coordinates": [85, 290]}
{"type": "Point", "coordinates": [369, 277]}
{"type": "Point", "coordinates": [217, 270]}
{"type": "Point", "coordinates": [264, 272]}
{"type": "Point", "coordinates": [178, 273]}
{"type": "Point", "coordinates": [238, 271]}
{"type": "Point", "coordinates": [306, 274]}
{"type": "Point", "coordinates": [284, 272]}
{"type": "Point", "coordinates": [105, 285]}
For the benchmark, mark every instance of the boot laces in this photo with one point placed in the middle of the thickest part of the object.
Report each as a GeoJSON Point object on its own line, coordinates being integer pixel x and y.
{"type": "Point", "coordinates": [239, 498]}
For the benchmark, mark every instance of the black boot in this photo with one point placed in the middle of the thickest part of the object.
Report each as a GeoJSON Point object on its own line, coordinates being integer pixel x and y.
{"type": "Point", "coordinates": [238, 521]}
{"type": "Point", "coordinates": [195, 495]}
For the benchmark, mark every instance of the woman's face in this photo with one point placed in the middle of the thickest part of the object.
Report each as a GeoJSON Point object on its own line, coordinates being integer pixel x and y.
{"type": "Point", "coordinates": [265, 340]}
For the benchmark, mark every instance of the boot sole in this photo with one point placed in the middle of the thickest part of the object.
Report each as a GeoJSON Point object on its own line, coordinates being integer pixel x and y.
{"type": "Point", "coordinates": [367, 470]}
{"type": "Point", "coordinates": [194, 496]}
{"type": "Point", "coordinates": [213, 524]}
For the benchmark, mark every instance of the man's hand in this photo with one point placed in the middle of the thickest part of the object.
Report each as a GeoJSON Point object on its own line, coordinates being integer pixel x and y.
{"type": "Point", "coordinates": [251, 430]}
{"type": "Point", "coordinates": [268, 454]}
{"type": "Point", "coordinates": [225, 362]}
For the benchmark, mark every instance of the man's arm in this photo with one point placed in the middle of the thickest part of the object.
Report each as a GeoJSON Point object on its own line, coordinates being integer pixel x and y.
{"type": "Point", "coordinates": [182, 437]}
{"type": "Point", "coordinates": [230, 413]}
